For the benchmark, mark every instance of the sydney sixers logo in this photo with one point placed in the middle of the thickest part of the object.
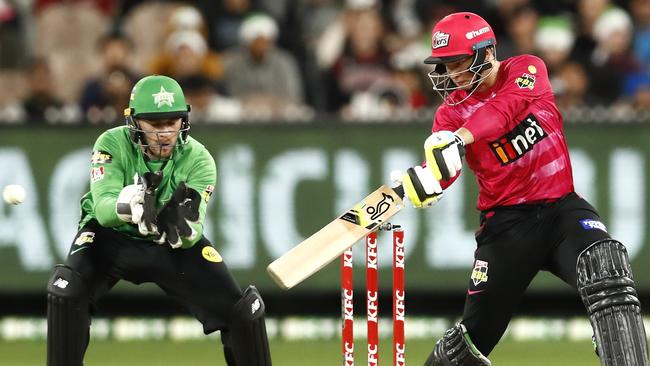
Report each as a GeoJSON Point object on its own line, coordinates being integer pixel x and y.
{"type": "Point", "coordinates": [439, 39]}
{"type": "Point", "coordinates": [480, 272]}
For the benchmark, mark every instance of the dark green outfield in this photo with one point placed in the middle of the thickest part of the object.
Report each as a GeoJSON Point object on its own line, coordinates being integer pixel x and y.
{"type": "Point", "coordinates": [302, 353]}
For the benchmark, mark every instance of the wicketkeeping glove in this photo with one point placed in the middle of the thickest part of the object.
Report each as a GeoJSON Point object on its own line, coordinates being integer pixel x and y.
{"type": "Point", "coordinates": [137, 202]}
{"type": "Point", "coordinates": [175, 219]}
{"type": "Point", "coordinates": [443, 151]}
{"type": "Point", "coordinates": [150, 182]}
{"type": "Point", "coordinates": [420, 186]}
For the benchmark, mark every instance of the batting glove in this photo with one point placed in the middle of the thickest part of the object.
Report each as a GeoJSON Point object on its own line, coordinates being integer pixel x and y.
{"type": "Point", "coordinates": [443, 151]}
{"type": "Point", "coordinates": [420, 186]}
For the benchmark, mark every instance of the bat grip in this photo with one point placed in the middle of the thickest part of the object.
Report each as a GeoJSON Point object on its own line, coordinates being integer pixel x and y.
{"type": "Point", "coordinates": [399, 190]}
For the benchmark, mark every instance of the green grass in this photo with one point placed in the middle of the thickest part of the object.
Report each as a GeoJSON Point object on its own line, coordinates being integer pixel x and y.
{"type": "Point", "coordinates": [286, 353]}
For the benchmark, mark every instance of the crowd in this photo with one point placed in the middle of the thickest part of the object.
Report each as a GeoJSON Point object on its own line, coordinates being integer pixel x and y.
{"type": "Point", "coordinates": [75, 61]}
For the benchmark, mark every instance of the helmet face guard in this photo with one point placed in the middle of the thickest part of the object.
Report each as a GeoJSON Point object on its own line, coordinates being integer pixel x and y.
{"type": "Point", "coordinates": [154, 98]}
{"type": "Point", "coordinates": [150, 141]}
{"type": "Point", "coordinates": [443, 82]}
{"type": "Point", "coordinates": [459, 37]}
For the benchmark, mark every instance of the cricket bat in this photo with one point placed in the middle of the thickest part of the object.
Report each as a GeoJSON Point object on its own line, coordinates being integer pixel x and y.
{"type": "Point", "coordinates": [330, 242]}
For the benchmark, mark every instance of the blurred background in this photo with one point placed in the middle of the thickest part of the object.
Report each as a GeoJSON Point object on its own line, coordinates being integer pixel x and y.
{"type": "Point", "coordinates": [306, 105]}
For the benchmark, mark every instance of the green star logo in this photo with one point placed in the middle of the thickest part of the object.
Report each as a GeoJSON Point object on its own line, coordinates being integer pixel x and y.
{"type": "Point", "coordinates": [163, 97]}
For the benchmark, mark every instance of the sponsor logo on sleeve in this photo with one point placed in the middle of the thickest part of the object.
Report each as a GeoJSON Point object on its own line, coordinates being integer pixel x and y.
{"type": "Point", "coordinates": [208, 192]}
{"type": "Point", "coordinates": [82, 242]}
{"type": "Point", "coordinates": [480, 272]}
{"type": "Point", "coordinates": [525, 81]}
{"type": "Point", "coordinates": [211, 255]}
{"type": "Point", "coordinates": [86, 237]}
{"type": "Point", "coordinates": [590, 224]}
{"type": "Point", "coordinates": [518, 141]}
{"type": "Point", "coordinates": [96, 174]}
{"type": "Point", "coordinates": [440, 39]}
{"type": "Point", "coordinates": [101, 157]}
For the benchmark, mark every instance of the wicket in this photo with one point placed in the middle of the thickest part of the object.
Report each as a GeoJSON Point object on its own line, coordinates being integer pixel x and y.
{"type": "Point", "coordinates": [372, 300]}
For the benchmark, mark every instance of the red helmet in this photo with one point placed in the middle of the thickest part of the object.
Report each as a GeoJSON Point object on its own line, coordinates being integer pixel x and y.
{"type": "Point", "coordinates": [456, 37]}
{"type": "Point", "coordinates": [459, 35]}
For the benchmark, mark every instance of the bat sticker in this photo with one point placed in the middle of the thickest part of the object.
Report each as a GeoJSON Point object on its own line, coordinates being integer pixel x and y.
{"type": "Point", "coordinates": [381, 207]}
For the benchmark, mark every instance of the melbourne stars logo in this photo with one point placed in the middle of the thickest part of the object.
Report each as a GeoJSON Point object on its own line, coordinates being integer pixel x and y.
{"type": "Point", "coordinates": [163, 97]}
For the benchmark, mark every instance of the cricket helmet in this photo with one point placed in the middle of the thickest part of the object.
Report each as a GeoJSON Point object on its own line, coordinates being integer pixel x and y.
{"type": "Point", "coordinates": [156, 97]}
{"type": "Point", "coordinates": [457, 37]}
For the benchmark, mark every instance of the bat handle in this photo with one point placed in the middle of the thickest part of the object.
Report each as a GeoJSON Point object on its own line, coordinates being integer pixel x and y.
{"type": "Point", "coordinates": [399, 190]}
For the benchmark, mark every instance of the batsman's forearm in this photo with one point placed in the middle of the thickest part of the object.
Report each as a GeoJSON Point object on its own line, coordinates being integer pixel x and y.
{"type": "Point", "coordinates": [105, 212]}
{"type": "Point", "coordinates": [466, 135]}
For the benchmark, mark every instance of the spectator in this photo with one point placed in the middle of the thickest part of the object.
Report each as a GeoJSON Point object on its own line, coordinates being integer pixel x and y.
{"type": "Point", "coordinates": [187, 17]}
{"type": "Point", "coordinates": [258, 72]}
{"type": "Point", "coordinates": [331, 42]}
{"type": "Point", "coordinates": [111, 87]}
{"type": "Point", "coordinates": [637, 86]}
{"type": "Point", "coordinates": [364, 61]}
{"type": "Point", "coordinates": [520, 28]}
{"type": "Point", "coordinates": [41, 100]}
{"type": "Point", "coordinates": [186, 53]}
{"type": "Point", "coordinates": [636, 91]}
{"type": "Point", "coordinates": [408, 72]}
{"type": "Point", "coordinates": [588, 13]}
{"type": "Point", "coordinates": [207, 104]}
{"type": "Point", "coordinates": [226, 17]}
{"type": "Point", "coordinates": [640, 10]}
{"type": "Point", "coordinates": [107, 7]}
{"type": "Point", "coordinates": [13, 50]}
{"type": "Point", "coordinates": [554, 39]}
{"type": "Point", "coordinates": [611, 60]}
{"type": "Point", "coordinates": [571, 86]}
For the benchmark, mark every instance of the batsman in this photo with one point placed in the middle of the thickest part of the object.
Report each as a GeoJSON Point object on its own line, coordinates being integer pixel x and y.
{"type": "Point", "coordinates": [502, 116]}
{"type": "Point", "coordinates": [150, 183]}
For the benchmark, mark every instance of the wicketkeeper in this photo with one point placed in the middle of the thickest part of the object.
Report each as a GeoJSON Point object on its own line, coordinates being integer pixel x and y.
{"type": "Point", "coordinates": [503, 117]}
{"type": "Point", "coordinates": [142, 222]}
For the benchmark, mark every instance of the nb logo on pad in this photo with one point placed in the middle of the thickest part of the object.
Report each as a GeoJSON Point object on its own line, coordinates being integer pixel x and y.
{"type": "Point", "coordinates": [60, 283]}
{"type": "Point", "coordinates": [255, 306]}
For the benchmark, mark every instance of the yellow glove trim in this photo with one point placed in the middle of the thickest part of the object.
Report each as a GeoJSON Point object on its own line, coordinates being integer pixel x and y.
{"type": "Point", "coordinates": [431, 162]}
{"type": "Point", "coordinates": [409, 190]}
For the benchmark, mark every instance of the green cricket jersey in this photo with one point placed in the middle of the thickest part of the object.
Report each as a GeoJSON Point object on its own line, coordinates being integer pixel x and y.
{"type": "Point", "coordinates": [116, 160]}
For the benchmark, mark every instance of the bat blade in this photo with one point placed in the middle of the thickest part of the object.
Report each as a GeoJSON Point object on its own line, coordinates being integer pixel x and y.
{"type": "Point", "coordinates": [331, 241]}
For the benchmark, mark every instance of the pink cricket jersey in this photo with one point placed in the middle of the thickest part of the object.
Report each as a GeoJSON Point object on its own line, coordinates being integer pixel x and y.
{"type": "Point", "coordinates": [519, 154]}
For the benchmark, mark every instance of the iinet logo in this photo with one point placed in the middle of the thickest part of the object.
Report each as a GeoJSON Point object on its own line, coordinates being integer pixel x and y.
{"type": "Point", "coordinates": [520, 140]}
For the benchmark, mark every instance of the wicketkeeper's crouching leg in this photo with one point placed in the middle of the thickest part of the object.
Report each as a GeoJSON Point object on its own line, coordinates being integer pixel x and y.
{"type": "Point", "coordinates": [456, 348]}
{"type": "Point", "coordinates": [607, 289]}
{"type": "Point", "coordinates": [68, 321]}
{"type": "Point", "coordinates": [245, 342]}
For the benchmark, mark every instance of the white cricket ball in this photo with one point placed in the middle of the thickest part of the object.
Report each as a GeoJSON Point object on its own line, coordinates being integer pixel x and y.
{"type": "Point", "coordinates": [13, 194]}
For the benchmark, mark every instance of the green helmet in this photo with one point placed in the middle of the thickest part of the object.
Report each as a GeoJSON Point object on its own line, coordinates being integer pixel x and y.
{"type": "Point", "coordinates": [157, 97]}
{"type": "Point", "coordinates": [153, 98]}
